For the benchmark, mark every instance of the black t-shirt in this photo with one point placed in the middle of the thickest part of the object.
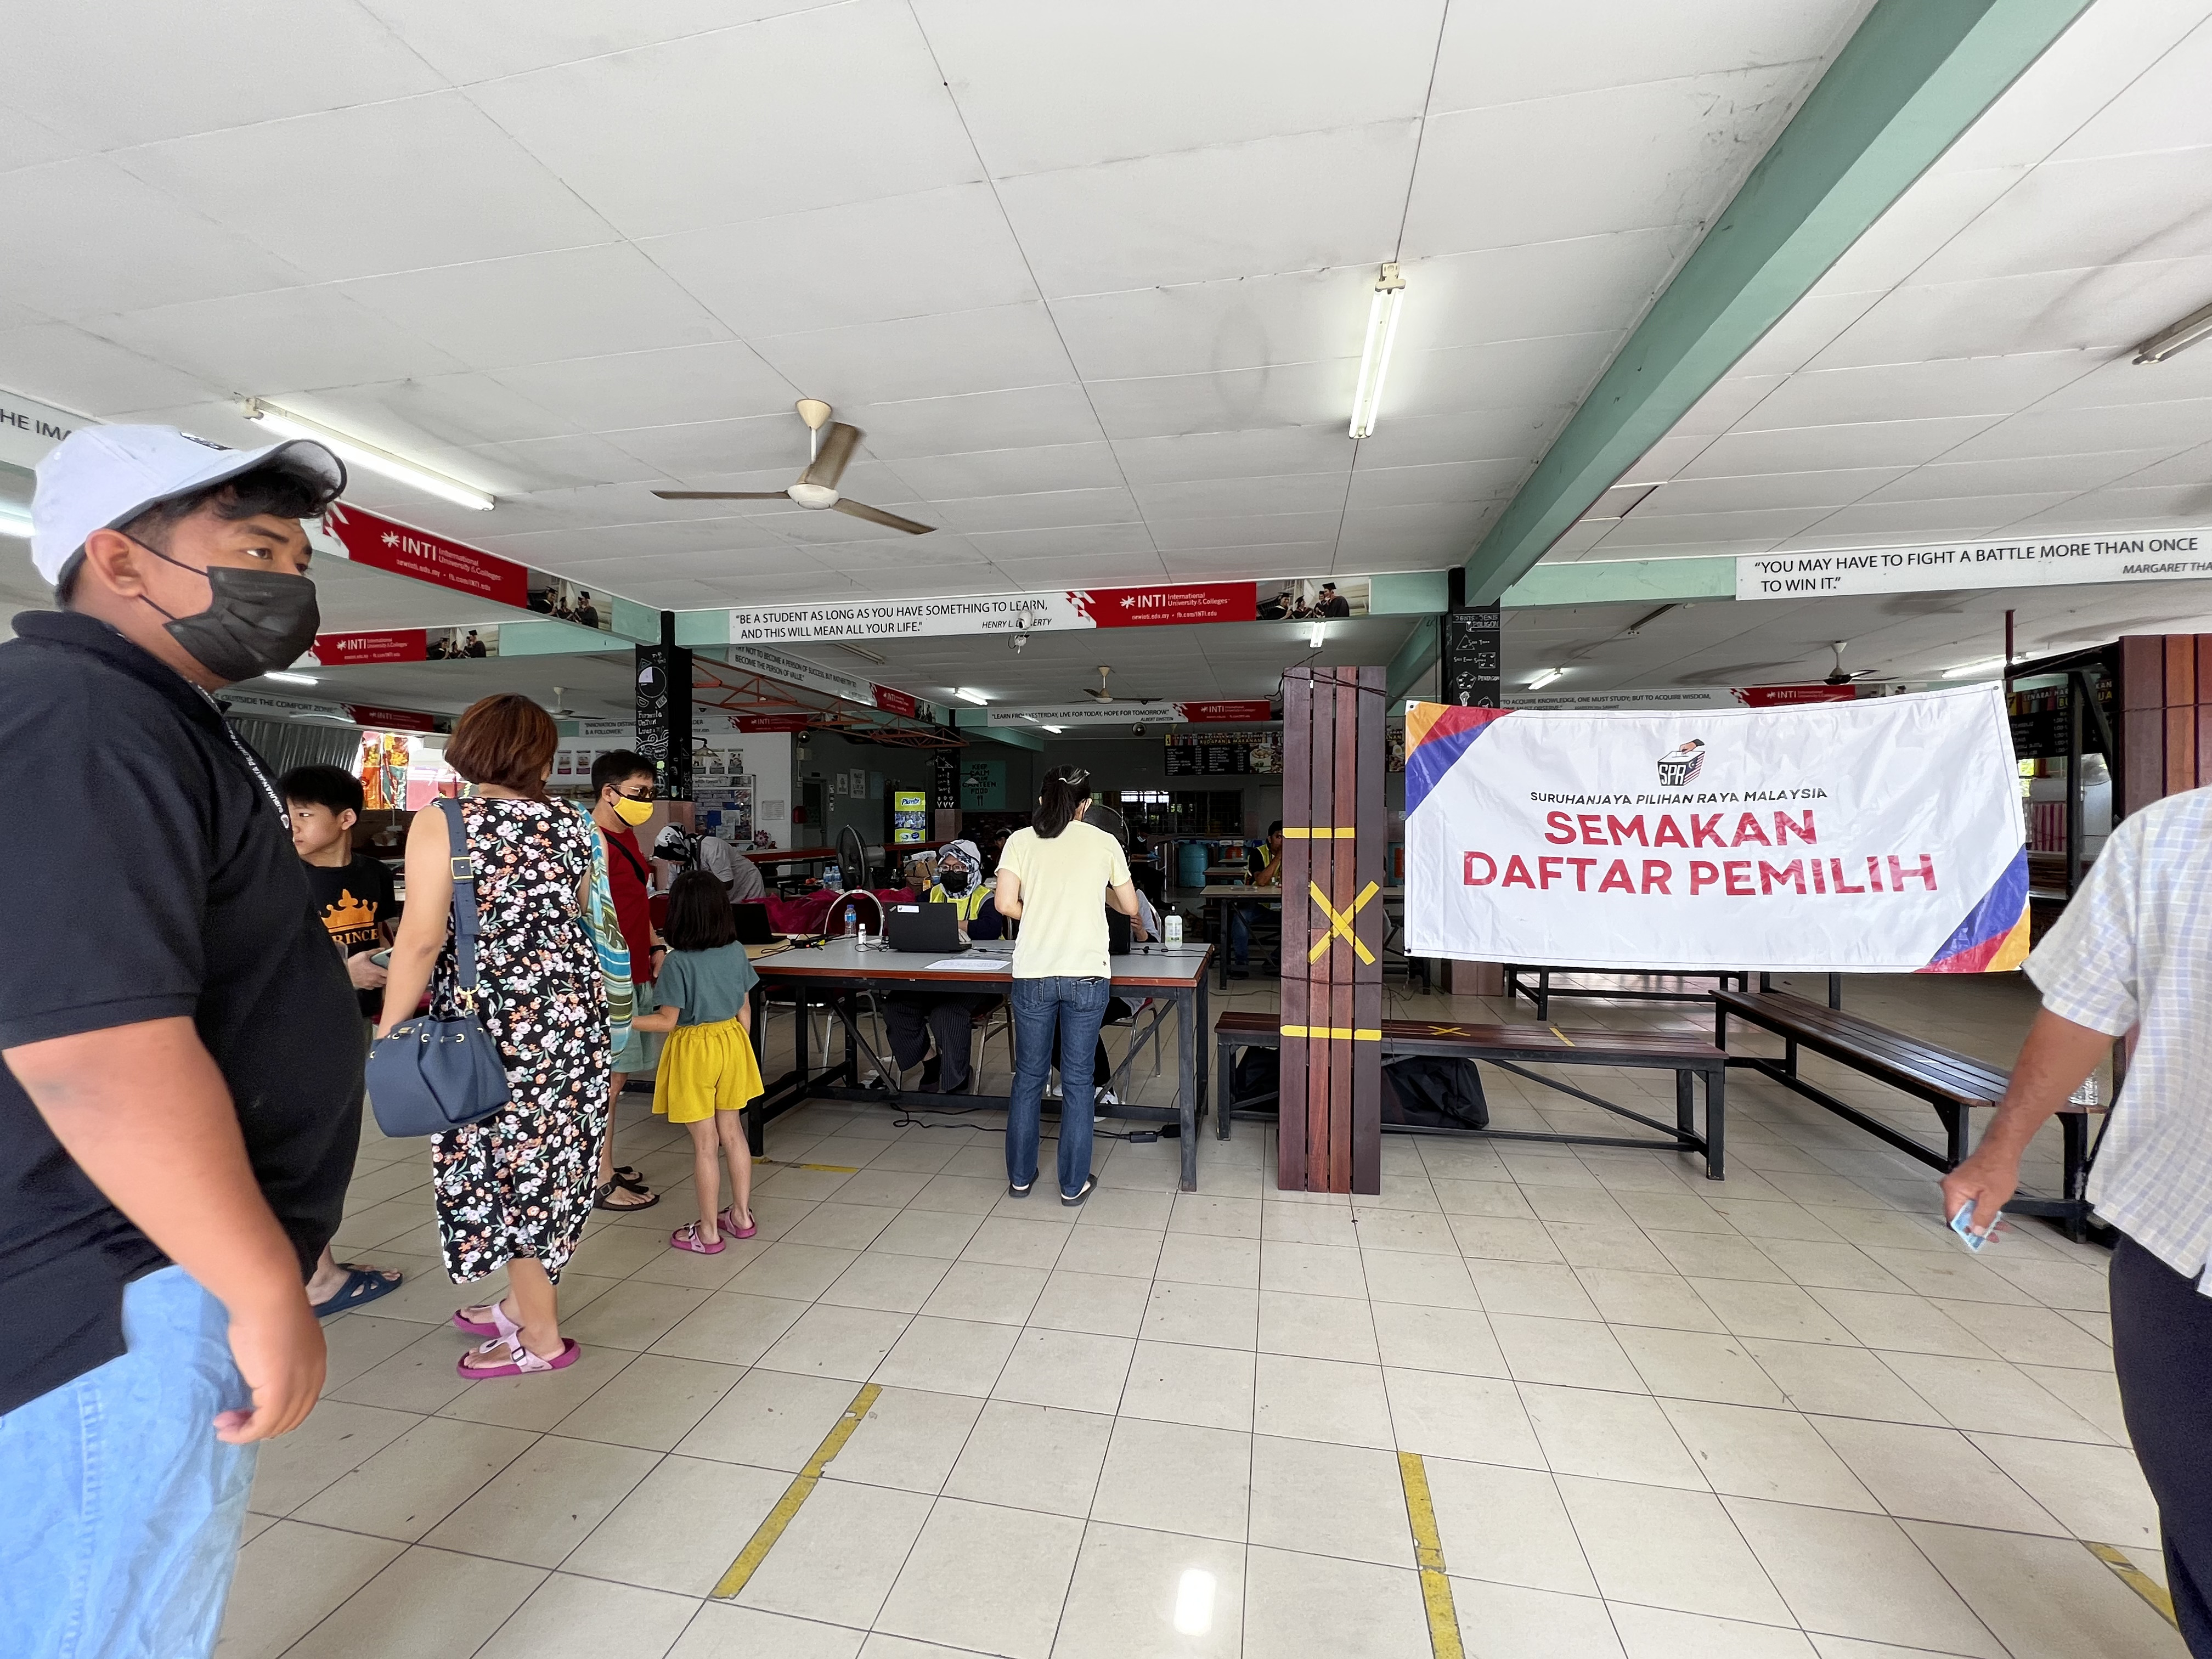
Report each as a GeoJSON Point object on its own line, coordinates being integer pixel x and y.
{"type": "Point", "coordinates": [353, 900]}
{"type": "Point", "coordinates": [190, 902]}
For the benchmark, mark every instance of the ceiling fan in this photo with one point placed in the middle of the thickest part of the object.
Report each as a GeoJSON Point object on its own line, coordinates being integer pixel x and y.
{"type": "Point", "coordinates": [1099, 693]}
{"type": "Point", "coordinates": [560, 709]}
{"type": "Point", "coordinates": [816, 487]}
{"type": "Point", "coordinates": [1838, 675]}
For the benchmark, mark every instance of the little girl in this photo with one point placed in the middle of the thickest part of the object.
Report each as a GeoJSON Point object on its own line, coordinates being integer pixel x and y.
{"type": "Point", "coordinates": [707, 1073]}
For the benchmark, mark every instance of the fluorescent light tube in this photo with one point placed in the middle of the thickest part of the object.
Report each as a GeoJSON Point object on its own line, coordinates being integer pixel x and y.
{"type": "Point", "coordinates": [1969, 671]}
{"type": "Point", "coordinates": [13, 523]}
{"type": "Point", "coordinates": [2197, 325]}
{"type": "Point", "coordinates": [1317, 636]}
{"type": "Point", "coordinates": [1545, 678]}
{"type": "Point", "coordinates": [293, 679]}
{"type": "Point", "coordinates": [1375, 352]}
{"type": "Point", "coordinates": [367, 457]}
{"type": "Point", "coordinates": [969, 694]}
{"type": "Point", "coordinates": [1052, 728]}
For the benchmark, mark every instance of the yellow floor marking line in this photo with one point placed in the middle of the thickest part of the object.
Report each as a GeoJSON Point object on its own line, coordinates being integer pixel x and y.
{"type": "Point", "coordinates": [2137, 1580]}
{"type": "Point", "coordinates": [800, 1489]}
{"type": "Point", "coordinates": [1429, 1552]}
{"type": "Point", "coordinates": [834, 1169]}
{"type": "Point", "coordinates": [1563, 1036]}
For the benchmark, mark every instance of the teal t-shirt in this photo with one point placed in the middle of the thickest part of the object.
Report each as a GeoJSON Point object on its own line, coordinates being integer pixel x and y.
{"type": "Point", "coordinates": [706, 985]}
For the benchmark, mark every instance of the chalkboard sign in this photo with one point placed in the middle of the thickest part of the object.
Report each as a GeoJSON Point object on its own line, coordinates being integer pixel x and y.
{"type": "Point", "coordinates": [1471, 665]}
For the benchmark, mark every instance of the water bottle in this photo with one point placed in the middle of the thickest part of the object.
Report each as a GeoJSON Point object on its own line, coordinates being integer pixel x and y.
{"type": "Point", "coordinates": [1172, 928]}
{"type": "Point", "coordinates": [853, 925]}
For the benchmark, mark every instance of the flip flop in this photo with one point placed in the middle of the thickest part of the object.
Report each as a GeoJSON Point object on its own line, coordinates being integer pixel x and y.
{"type": "Point", "coordinates": [498, 1325]}
{"type": "Point", "coordinates": [626, 1175]}
{"type": "Point", "coordinates": [520, 1361]}
{"type": "Point", "coordinates": [729, 1222]}
{"type": "Point", "coordinates": [686, 1237]}
{"type": "Point", "coordinates": [601, 1193]}
{"type": "Point", "coordinates": [363, 1286]}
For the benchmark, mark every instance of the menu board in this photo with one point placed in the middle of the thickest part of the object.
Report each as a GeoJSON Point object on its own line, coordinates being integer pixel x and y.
{"type": "Point", "coordinates": [1223, 754]}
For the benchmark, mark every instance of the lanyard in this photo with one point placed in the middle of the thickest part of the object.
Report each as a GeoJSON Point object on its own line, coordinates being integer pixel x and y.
{"type": "Point", "coordinates": [252, 764]}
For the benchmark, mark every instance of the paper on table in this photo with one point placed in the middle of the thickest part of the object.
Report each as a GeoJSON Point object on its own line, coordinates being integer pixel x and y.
{"type": "Point", "coordinates": [969, 964]}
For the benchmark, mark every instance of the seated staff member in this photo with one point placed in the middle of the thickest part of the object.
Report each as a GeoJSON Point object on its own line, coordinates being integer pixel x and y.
{"type": "Point", "coordinates": [623, 787]}
{"type": "Point", "coordinates": [1266, 864]}
{"type": "Point", "coordinates": [1051, 878]}
{"type": "Point", "coordinates": [912, 1017]}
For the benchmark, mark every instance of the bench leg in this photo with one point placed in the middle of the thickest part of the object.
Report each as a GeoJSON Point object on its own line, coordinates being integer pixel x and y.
{"type": "Point", "coordinates": [1716, 1123]}
{"type": "Point", "coordinates": [1544, 995]}
{"type": "Point", "coordinates": [1686, 1115]}
{"type": "Point", "coordinates": [1789, 1055]}
{"type": "Point", "coordinates": [1720, 1026]}
{"type": "Point", "coordinates": [2074, 1128]}
{"type": "Point", "coordinates": [1222, 1054]}
{"type": "Point", "coordinates": [1957, 1134]}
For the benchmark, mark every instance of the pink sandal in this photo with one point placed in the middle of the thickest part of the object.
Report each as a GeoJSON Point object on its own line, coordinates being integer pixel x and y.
{"type": "Point", "coordinates": [520, 1361]}
{"type": "Point", "coordinates": [686, 1237]}
{"type": "Point", "coordinates": [498, 1325]}
{"type": "Point", "coordinates": [728, 1222]}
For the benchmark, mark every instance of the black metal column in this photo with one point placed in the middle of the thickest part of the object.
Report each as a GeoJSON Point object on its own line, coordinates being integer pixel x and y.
{"type": "Point", "coordinates": [664, 710]}
{"type": "Point", "coordinates": [1471, 665]}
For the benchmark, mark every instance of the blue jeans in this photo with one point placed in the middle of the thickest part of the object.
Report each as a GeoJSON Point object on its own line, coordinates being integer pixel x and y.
{"type": "Point", "coordinates": [119, 1531]}
{"type": "Point", "coordinates": [1075, 1007]}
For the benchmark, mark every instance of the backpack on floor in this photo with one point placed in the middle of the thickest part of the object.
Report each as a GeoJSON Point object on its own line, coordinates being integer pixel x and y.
{"type": "Point", "coordinates": [1256, 1079]}
{"type": "Point", "coordinates": [1428, 1092]}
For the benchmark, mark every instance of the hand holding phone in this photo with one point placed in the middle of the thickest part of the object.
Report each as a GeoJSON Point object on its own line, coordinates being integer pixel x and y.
{"type": "Point", "coordinates": [1963, 1224]}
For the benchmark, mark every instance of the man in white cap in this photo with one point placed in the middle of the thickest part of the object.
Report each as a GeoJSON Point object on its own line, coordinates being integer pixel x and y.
{"type": "Point", "coordinates": [912, 1017]}
{"type": "Point", "coordinates": [179, 1105]}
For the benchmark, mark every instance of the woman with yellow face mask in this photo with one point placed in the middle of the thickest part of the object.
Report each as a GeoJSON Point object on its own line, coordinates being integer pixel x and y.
{"type": "Point", "coordinates": [622, 788]}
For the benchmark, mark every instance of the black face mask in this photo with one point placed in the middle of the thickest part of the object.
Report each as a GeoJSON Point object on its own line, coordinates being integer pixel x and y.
{"type": "Point", "coordinates": [954, 882]}
{"type": "Point", "coordinates": [256, 620]}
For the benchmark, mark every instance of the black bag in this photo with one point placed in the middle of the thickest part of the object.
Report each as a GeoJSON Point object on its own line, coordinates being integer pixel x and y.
{"type": "Point", "coordinates": [437, 1073]}
{"type": "Point", "coordinates": [1256, 1079]}
{"type": "Point", "coordinates": [1432, 1093]}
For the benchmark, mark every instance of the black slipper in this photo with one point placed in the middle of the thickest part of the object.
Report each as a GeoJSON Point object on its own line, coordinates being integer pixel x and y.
{"type": "Point", "coordinates": [628, 1178]}
{"type": "Point", "coordinates": [1080, 1193]}
{"type": "Point", "coordinates": [363, 1286]}
{"type": "Point", "coordinates": [602, 1194]}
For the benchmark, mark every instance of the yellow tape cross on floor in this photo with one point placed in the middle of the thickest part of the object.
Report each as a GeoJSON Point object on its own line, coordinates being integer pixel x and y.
{"type": "Point", "coordinates": [1429, 1555]}
{"type": "Point", "coordinates": [2137, 1580]}
{"type": "Point", "coordinates": [800, 1489]}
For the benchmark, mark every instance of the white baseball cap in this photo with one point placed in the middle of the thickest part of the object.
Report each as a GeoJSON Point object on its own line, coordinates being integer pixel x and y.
{"type": "Point", "coordinates": [100, 478]}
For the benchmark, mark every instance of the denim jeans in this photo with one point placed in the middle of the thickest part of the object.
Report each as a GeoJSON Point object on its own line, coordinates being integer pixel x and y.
{"type": "Point", "coordinates": [1075, 1008]}
{"type": "Point", "coordinates": [119, 1532]}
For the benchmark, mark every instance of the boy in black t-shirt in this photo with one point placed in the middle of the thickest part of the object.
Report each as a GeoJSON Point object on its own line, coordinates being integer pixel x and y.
{"type": "Point", "coordinates": [355, 903]}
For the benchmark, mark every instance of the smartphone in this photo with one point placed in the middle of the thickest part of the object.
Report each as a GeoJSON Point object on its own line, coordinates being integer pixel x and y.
{"type": "Point", "coordinates": [1962, 1224]}
{"type": "Point", "coordinates": [381, 959]}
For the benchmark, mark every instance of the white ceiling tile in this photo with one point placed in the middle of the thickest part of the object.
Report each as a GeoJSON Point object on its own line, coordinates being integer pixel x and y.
{"type": "Point", "coordinates": [1951, 479]}
{"type": "Point", "coordinates": [25, 142]}
{"type": "Point", "coordinates": [1688, 530]}
{"type": "Point", "coordinates": [1253, 530]}
{"type": "Point", "coordinates": [1246, 452]}
{"type": "Point", "coordinates": [699, 450]}
{"type": "Point", "coordinates": [1537, 288]}
{"type": "Point", "coordinates": [1510, 375]}
{"type": "Point", "coordinates": [1043, 415]}
{"type": "Point", "coordinates": [1503, 54]}
{"type": "Point", "coordinates": [676, 386]}
{"type": "Point", "coordinates": [445, 410]}
{"type": "Point", "coordinates": [1092, 570]}
{"type": "Point", "coordinates": [789, 114]}
{"type": "Point", "coordinates": [1727, 401]}
{"type": "Point", "coordinates": [1073, 541]}
{"type": "Point", "coordinates": [1897, 521]}
{"type": "Point", "coordinates": [880, 551]}
{"type": "Point", "coordinates": [1279, 559]}
{"type": "Point", "coordinates": [1250, 322]}
{"type": "Point", "coordinates": [2164, 108]}
{"type": "Point", "coordinates": [1444, 482]}
{"type": "Point", "coordinates": [1975, 386]}
{"type": "Point", "coordinates": [1578, 538]}
{"type": "Point", "coordinates": [526, 466]}
{"type": "Point", "coordinates": [284, 340]}
{"type": "Point", "coordinates": [2171, 504]}
{"type": "Point", "coordinates": [1812, 448]}
{"type": "Point", "coordinates": [1295, 394]}
{"type": "Point", "coordinates": [1010, 472]}
{"type": "Point", "coordinates": [2099, 310]}
{"type": "Point", "coordinates": [162, 71]}
{"type": "Point", "coordinates": [2123, 381]}
{"type": "Point", "coordinates": [1029, 78]}
{"type": "Point", "coordinates": [561, 550]}
{"type": "Point", "coordinates": [1665, 153]}
{"type": "Point", "coordinates": [1486, 434]}
{"type": "Point", "coordinates": [380, 187]}
{"type": "Point", "coordinates": [2068, 214]}
{"type": "Point", "coordinates": [542, 308]}
{"type": "Point", "coordinates": [1802, 332]}
{"type": "Point", "coordinates": [1774, 489]}
{"type": "Point", "coordinates": [857, 262]}
{"type": "Point", "coordinates": [1044, 510]}
{"type": "Point", "coordinates": [1296, 492]}
{"type": "Point", "coordinates": [1668, 458]}
{"type": "Point", "coordinates": [2075, 431]}
{"type": "Point", "coordinates": [822, 532]}
{"type": "Point", "coordinates": [1934, 209]}
{"type": "Point", "coordinates": [488, 38]}
{"type": "Point", "coordinates": [2190, 467]}
{"type": "Point", "coordinates": [1300, 203]}
{"type": "Point", "coordinates": [1450, 524]}
{"type": "Point", "coordinates": [943, 355]}
{"type": "Point", "coordinates": [69, 263]}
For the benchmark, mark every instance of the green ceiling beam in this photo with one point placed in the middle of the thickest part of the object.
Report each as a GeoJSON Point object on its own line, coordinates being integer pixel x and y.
{"type": "Point", "coordinates": [1413, 659]}
{"type": "Point", "coordinates": [1915, 76]}
{"type": "Point", "coordinates": [1624, 581]}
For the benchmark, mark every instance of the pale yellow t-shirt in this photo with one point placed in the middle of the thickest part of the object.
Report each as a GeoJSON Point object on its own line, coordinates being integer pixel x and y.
{"type": "Point", "coordinates": [1064, 882]}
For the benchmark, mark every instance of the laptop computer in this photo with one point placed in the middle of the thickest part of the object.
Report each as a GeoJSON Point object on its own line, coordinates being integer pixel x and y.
{"type": "Point", "coordinates": [933, 929]}
{"type": "Point", "coordinates": [753, 926]}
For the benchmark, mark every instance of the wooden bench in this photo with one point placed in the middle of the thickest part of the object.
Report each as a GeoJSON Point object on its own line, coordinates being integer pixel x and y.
{"type": "Point", "coordinates": [1952, 1083]}
{"type": "Point", "coordinates": [1513, 1048]}
{"type": "Point", "coordinates": [1543, 991]}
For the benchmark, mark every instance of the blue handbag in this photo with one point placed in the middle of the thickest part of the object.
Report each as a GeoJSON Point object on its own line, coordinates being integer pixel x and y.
{"type": "Point", "coordinates": [436, 1073]}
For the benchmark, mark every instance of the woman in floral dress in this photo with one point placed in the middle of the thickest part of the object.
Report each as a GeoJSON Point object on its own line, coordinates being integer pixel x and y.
{"type": "Point", "coordinates": [514, 1190]}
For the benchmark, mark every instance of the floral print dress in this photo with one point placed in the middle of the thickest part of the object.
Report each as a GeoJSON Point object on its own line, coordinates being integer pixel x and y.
{"type": "Point", "coordinates": [519, 1183]}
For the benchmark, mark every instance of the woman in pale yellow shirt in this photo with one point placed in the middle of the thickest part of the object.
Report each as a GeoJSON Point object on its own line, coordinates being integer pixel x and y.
{"type": "Point", "coordinates": [1057, 876]}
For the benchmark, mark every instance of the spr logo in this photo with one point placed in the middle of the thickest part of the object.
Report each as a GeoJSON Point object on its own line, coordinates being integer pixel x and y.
{"type": "Point", "coordinates": [1679, 764]}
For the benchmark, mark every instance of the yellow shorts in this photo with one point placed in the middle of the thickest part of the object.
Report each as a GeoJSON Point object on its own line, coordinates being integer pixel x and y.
{"type": "Point", "coordinates": [705, 1069]}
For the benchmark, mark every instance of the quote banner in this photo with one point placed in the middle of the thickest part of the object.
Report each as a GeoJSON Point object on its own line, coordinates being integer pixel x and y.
{"type": "Point", "coordinates": [1881, 835]}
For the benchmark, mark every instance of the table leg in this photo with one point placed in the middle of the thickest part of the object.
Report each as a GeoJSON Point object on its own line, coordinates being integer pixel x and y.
{"type": "Point", "coordinates": [1685, 1118]}
{"type": "Point", "coordinates": [1217, 932]}
{"type": "Point", "coordinates": [1186, 1086]}
{"type": "Point", "coordinates": [1716, 1123]}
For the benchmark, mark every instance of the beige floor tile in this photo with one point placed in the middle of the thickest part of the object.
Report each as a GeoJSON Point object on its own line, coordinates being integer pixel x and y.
{"type": "Point", "coordinates": [1783, 1312]}
{"type": "Point", "coordinates": [1019, 1241]}
{"type": "Point", "coordinates": [1841, 1382]}
{"type": "Point", "coordinates": [1500, 1239]}
{"type": "Point", "coordinates": [882, 1187]}
{"type": "Point", "coordinates": [723, 1629]}
{"type": "Point", "coordinates": [987, 1578]}
{"type": "Point", "coordinates": [636, 1318]}
{"type": "Point", "coordinates": [543, 1503]}
{"type": "Point", "coordinates": [681, 1526]}
{"type": "Point", "coordinates": [1611, 1437]}
{"type": "Point", "coordinates": [1957, 1276]}
{"type": "Point", "coordinates": [942, 1233]}
{"type": "Point", "coordinates": [1663, 1299]}
{"type": "Point", "coordinates": [1910, 1324]}
{"type": "Point", "coordinates": [949, 1355]}
{"type": "Point", "coordinates": [836, 1560]}
{"type": "Point", "coordinates": [419, 1378]}
{"type": "Point", "coordinates": [843, 1342]}
{"type": "Point", "coordinates": [1424, 1233]}
{"type": "Point", "coordinates": [1638, 1537]}
{"type": "Point", "coordinates": [1098, 1303]}
{"type": "Point", "coordinates": [404, 1490]}
{"type": "Point", "coordinates": [1208, 1315]}
{"type": "Point", "coordinates": [1621, 1246]}
{"type": "Point", "coordinates": [1205, 1259]}
{"type": "Point", "coordinates": [1572, 1353]}
{"type": "Point", "coordinates": [2054, 1283]}
{"type": "Point", "coordinates": [354, 1342]}
{"type": "Point", "coordinates": [2031, 1336]}
{"type": "Point", "coordinates": [1213, 1215]}
{"type": "Point", "coordinates": [2093, 1395]}
{"type": "Point", "coordinates": [1317, 1326]}
{"type": "Point", "coordinates": [2045, 1598]}
{"type": "Point", "coordinates": [771, 1419]}
{"type": "Point", "coordinates": [887, 1283]}
{"type": "Point", "coordinates": [1342, 1501]}
{"type": "Point", "coordinates": [2097, 1492]}
{"type": "Point", "coordinates": [1657, 1633]}
{"type": "Point", "coordinates": [1311, 1269]}
{"type": "Point", "coordinates": [1506, 1525]}
{"type": "Point", "coordinates": [1070, 1369]}
{"type": "Point", "coordinates": [1859, 1576]}
{"type": "Point", "coordinates": [668, 1266]}
{"type": "Point", "coordinates": [1314, 1607]}
{"type": "Point", "coordinates": [1181, 1383]}
{"type": "Point", "coordinates": [1175, 1478]}
{"type": "Point", "coordinates": [336, 1439]}
{"type": "Point", "coordinates": [1749, 1452]}
{"type": "Point", "coordinates": [1829, 1264]}
{"type": "Point", "coordinates": [1307, 1223]}
{"type": "Point", "coordinates": [428, 1604]}
{"type": "Point", "coordinates": [1580, 1204]}
{"type": "Point", "coordinates": [1991, 1396]}
{"type": "Point", "coordinates": [1758, 1219]}
{"type": "Point", "coordinates": [793, 1271]}
{"type": "Point", "coordinates": [1716, 1256]}
{"type": "Point", "coordinates": [1697, 1365]}
{"type": "Point", "coordinates": [1502, 1198]}
{"type": "Point", "coordinates": [1032, 1457]}
{"type": "Point", "coordinates": [290, 1578]}
{"type": "Point", "coordinates": [1153, 1592]}
{"type": "Point", "coordinates": [1428, 1281]}
{"type": "Point", "coordinates": [1477, 1419]}
{"type": "Point", "coordinates": [729, 1328]}
{"type": "Point", "coordinates": [975, 1195]}
{"type": "Point", "coordinates": [653, 1403]}
{"type": "Point", "coordinates": [1923, 1474]}
{"type": "Point", "coordinates": [1127, 1252]}
{"type": "Point", "coordinates": [910, 1439]}
{"type": "Point", "coordinates": [1111, 1207]}
{"type": "Point", "coordinates": [1681, 1212]}
{"type": "Point", "coordinates": [1510, 1618]}
{"type": "Point", "coordinates": [570, 1617]}
{"type": "Point", "coordinates": [1436, 1339]}
{"type": "Point", "coordinates": [1548, 1290]}
{"type": "Point", "coordinates": [1321, 1400]}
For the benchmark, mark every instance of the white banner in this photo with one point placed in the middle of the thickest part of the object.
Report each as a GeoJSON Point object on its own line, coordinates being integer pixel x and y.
{"type": "Point", "coordinates": [1253, 711]}
{"type": "Point", "coordinates": [1875, 836]}
{"type": "Point", "coordinates": [2119, 555]}
{"type": "Point", "coordinates": [29, 429]}
{"type": "Point", "coordinates": [905, 619]}
{"type": "Point", "coordinates": [796, 670]}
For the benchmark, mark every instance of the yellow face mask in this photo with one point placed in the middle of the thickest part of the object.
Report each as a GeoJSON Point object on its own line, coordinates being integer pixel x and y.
{"type": "Point", "coordinates": [632, 812]}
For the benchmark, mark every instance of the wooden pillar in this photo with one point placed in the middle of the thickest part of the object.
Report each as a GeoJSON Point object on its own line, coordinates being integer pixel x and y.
{"type": "Point", "coordinates": [2164, 718]}
{"type": "Point", "coordinates": [1330, 1133]}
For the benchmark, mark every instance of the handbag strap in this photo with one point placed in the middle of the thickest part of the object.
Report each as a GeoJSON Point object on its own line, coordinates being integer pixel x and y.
{"type": "Point", "coordinates": [466, 923]}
